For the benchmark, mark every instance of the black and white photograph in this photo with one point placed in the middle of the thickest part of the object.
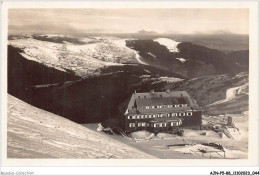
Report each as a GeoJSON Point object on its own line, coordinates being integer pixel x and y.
{"type": "Point", "coordinates": [128, 83]}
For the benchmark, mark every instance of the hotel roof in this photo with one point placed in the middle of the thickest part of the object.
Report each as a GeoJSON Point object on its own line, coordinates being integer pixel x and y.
{"type": "Point", "coordinates": [139, 100]}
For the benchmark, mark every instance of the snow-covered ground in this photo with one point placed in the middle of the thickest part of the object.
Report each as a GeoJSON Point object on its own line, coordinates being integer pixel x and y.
{"type": "Point", "coordinates": [170, 79]}
{"type": "Point", "coordinates": [83, 59]}
{"type": "Point", "coordinates": [169, 43]}
{"type": "Point", "coordinates": [181, 59]}
{"type": "Point", "coordinates": [168, 146]}
{"type": "Point", "coordinates": [210, 152]}
{"type": "Point", "coordinates": [35, 133]}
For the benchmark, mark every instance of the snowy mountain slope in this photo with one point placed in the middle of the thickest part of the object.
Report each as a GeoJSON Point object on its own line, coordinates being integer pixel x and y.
{"type": "Point", "coordinates": [35, 133]}
{"type": "Point", "coordinates": [169, 43]}
{"type": "Point", "coordinates": [232, 93]}
{"type": "Point", "coordinates": [235, 102]}
{"type": "Point", "coordinates": [188, 59]}
{"type": "Point", "coordinates": [83, 59]}
{"type": "Point", "coordinates": [219, 88]}
{"type": "Point", "coordinates": [236, 98]}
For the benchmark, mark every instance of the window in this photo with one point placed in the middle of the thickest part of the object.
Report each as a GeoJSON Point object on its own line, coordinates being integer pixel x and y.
{"type": "Point", "coordinates": [145, 116]}
{"type": "Point", "coordinates": [133, 117]}
{"type": "Point", "coordinates": [129, 117]}
{"type": "Point", "coordinates": [148, 124]}
{"type": "Point", "coordinates": [189, 113]}
{"type": "Point", "coordinates": [139, 124]}
{"type": "Point", "coordinates": [174, 114]}
{"type": "Point", "coordinates": [154, 115]}
{"type": "Point", "coordinates": [143, 124]}
{"type": "Point", "coordinates": [142, 116]}
{"type": "Point", "coordinates": [138, 117]}
{"type": "Point", "coordinates": [168, 115]}
{"type": "Point", "coordinates": [150, 116]}
{"type": "Point", "coordinates": [131, 124]}
{"type": "Point", "coordinates": [181, 114]}
{"type": "Point", "coordinates": [164, 124]}
{"type": "Point", "coordinates": [169, 106]}
{"type": "Point", "coordinates": [174, 124]}
{"type": "Point", "coordinates": [154, 125]}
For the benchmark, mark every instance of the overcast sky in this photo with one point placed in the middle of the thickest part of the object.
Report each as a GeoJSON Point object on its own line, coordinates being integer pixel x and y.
{"type": "Point", "coordinates": [83, 21]}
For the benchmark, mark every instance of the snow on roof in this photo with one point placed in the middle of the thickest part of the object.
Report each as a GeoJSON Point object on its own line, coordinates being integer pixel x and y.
{"type": "Point", "coordinates": [139, 100]}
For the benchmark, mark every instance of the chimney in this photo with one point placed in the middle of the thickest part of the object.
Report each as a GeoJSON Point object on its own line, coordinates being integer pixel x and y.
{"type": "Point", "coordinates": [152, 91]}
{"type": "Point", "coordinates": [168, 91]}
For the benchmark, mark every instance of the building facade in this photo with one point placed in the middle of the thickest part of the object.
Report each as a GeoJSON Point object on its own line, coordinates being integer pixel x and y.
{"type": "Point", "coordinates": [162, 111]}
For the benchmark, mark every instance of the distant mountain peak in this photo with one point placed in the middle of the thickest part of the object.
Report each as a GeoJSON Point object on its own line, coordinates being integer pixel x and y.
{"type": "Point", "coordinates": [147, 32]}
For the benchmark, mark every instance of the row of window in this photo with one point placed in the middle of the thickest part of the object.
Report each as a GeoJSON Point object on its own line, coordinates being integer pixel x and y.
{"type": "Point", "coordinates": [163, 106]}
{"type": "Point", "coordinates": [154, 124]}
{"type": "Point", "coordinates": [177, 114]}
